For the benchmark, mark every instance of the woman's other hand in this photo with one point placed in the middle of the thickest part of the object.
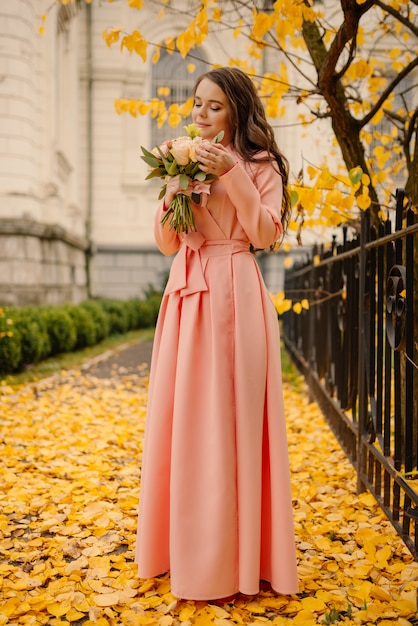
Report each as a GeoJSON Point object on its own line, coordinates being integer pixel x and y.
{"type": "Point", "coordinates": [214, 158]}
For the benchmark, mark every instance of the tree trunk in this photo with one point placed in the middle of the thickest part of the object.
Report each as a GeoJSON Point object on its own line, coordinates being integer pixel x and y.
{"type": "Point", "coordinates": [345, 127]}
{"type": "Point", "coordinates": [411, 187]}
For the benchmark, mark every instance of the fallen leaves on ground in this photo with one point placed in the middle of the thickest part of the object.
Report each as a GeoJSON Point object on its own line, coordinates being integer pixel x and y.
{"type": "Point", "coordinates": [69, 486]}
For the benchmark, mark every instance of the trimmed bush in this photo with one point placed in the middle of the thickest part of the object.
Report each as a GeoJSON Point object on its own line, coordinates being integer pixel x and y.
{"type": "Point", "coordinates": [84, 326]}
{"type": "Point", "coordinates": [153, 304]}
{"type": "Point", "coordinates": [99, 317]}
{"type": "Point", "coordinates": [61, 329]}
{"type": "Point", "coordinates": [30, 334]}
{"type": "Point", "coordinates": [35, 343]}
{"type": "Point", "coordinates": [133, 314]}
{"type": "Point", "coordinates": [10, 343]}
{"type": "Point", "coordinates": [118, 316]}
{"type": "Point", "coordinates": [145, 313]}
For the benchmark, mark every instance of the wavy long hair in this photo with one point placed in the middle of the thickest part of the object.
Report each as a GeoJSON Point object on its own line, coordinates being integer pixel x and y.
{"type": "Point", "coordinates": [252, 132]}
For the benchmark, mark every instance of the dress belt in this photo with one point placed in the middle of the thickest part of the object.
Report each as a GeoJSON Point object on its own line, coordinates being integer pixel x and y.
{"type": "Point", "coordinates": [187, 270]}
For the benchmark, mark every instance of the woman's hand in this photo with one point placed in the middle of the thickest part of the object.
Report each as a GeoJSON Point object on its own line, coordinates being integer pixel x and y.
{"type": "Point", "coordinates": [214, 158]}
{"type": "Point", "coordinates": [172, 189]}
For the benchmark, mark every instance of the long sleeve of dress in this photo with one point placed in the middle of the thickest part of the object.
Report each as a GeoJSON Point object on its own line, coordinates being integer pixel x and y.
{"type": "Point", "coordinates": [167, 240]}
{"type": "Point", "coordinates": [258, 203]}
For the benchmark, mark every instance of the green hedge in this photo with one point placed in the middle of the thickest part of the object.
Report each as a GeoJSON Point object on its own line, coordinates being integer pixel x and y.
{"type": "Point", "coordinates": [30, 334]}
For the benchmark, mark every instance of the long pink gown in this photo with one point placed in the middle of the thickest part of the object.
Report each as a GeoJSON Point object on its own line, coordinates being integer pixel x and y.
{"type": "Point", "coordinates": [215, 503]}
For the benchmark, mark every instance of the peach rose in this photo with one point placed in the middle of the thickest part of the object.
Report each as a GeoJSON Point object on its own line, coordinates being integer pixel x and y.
{"type": "Point", "coordinates": [164, 147]}
{"type": "Point", "coordinates": [195, 143]}
{"type": "Point", "coordinates": [180, 149]}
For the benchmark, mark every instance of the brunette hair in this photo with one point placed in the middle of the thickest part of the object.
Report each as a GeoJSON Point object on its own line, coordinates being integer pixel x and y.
{"type": "Point", "coordinates": [252, 132]}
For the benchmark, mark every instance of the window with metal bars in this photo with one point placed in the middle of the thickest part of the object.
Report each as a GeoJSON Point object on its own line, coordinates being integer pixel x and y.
{"type": "Point", "coordinates": [171, 72]}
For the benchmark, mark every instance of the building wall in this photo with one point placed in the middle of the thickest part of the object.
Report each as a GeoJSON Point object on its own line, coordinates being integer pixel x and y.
{"type": "Point", "coordinates": [42, 223]}
{"type": "Point", "coordinates": [40, 264]}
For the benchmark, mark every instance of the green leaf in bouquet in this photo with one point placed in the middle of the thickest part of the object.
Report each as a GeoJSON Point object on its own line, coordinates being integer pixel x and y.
{"type": "Point", "coordinates": [147, 153]}
{"type": "Point", "coordinates": [200, 176]}
{"type": "Point", "coordinates": [158, 172]}
{"type": "Point", "coordinates": [167, 162]}
{"type": "Point", "coordinates": [152, 161]}
{"type": "Point", "coordinates": [172, 169]}
{"type": "Point", "coordinates": [162, 192]}
{"type": "Point", "coordinates": [191, 168]}
{"type": "Point", "coordinates": [218, 137]}
{"type": "Point", "coordinates": [184, 181]}
{"type": "Point", "coordinates": [194, 169]}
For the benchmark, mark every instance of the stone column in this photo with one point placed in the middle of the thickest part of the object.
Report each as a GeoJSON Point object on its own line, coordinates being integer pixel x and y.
{"type": "Point", "coordinates": [19, 150]}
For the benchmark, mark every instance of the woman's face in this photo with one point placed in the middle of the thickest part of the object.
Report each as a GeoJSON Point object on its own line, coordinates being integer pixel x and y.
{"type": "Point", "coordinates": [211, 111]}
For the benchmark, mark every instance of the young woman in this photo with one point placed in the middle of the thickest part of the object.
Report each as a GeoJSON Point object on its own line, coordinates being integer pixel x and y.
{"type": "Point", "coordinates": [215, 504]}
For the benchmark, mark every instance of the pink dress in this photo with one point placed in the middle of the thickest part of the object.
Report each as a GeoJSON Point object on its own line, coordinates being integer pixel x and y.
{"type": "Point", "coordinates": [215, 504]}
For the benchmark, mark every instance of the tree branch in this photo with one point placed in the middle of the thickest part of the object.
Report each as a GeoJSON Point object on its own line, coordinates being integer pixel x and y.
{"type": "Point", "coordinates": [406, 70]}
{"type": "Point", "coordinates": [398, 16]}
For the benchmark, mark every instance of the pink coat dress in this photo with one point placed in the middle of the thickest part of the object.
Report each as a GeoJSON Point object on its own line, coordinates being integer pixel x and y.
{"type": "Point", "coordinates": [215, 504]}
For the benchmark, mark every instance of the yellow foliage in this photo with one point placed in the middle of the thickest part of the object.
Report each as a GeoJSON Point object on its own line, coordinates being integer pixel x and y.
{"type": "Point", "coordinates": [281, 303]}
{"type": "Point", "coordinates": [363, 201]}
{"type": "Point", "coordinates": [80, 474]}
{"type": "Point", "coordinates": [217, 14]}
{"type": "Point", "coordinates": [111, 35]}
{"type": "Point", "coordinates": [359, 69]}
{"type": "Point", "coordinates": [170, 44]}
{"type": "Point", "coordinates": [237, 31]}
{"type": "Point", "coordinates": [382, 155]}
{"type": "Point", "coordinates": [156, 55]}
{"type": "Point", "coordinates": [186, 40]}
{"type": "Point", "coordinates": [262, 23]}
{"type": "Point", "coordinates": [174, 116]}
{"type": "Point", "coordinates": [135, 43]}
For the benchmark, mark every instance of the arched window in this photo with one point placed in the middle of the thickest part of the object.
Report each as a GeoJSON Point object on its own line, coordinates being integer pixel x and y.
{"type": "Point", "coordinates": [172, 71]}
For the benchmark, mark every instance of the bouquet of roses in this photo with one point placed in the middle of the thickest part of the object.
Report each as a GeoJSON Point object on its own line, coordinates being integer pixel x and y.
{"type": "Point", "coordinates": [177, 157]}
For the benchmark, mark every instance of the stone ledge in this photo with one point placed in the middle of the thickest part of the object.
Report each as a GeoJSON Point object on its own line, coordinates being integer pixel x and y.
{"type": "Point", "coordinates": [52, 232]}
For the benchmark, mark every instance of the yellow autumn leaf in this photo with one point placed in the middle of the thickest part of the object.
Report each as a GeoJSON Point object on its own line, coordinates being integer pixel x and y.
{"type": "Point", "coordinates": [170, 44]}
{"type": "Point", "coordinates": [363, 201]}
{"type": "Point", "coordinates": [380, 594]}
{"type": "Point", "coordinates": [359, 70]}
{"type": "Point", "coordinates": [57, 609]}
{"type": "Point", "coordinates": [313, 604]}
{"type": "Point", "coordinates": [111, 35]}
{"type": "Point", "coordinates": [217, 14]}
{"type": "Point", "coordinates": [304, 618]}
{"type": "Point", "coordinates": [187, 612]}
{"type": "Point", "coordinates": [262, 23]}
{"type": "Point", "coordinates": [73, 615]}
{"type": "Point", "coordinates": [202, 23]}
{"type": "Point", "coordinates": [107, 599]}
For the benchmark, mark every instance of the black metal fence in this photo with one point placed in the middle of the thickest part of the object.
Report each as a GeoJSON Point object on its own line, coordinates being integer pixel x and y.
{"type": "Point", "coordinates": [357, 347]}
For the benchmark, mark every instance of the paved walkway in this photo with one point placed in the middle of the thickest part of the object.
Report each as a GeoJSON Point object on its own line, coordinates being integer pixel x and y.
{"type": "Point", "coordinates": [128, 359]}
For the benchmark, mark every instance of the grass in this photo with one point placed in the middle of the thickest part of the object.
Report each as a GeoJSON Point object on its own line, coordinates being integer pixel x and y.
{"type": "Point", "coordinates": [290, 373]}
{"type": "Point", "coordinates": [71, 360]}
